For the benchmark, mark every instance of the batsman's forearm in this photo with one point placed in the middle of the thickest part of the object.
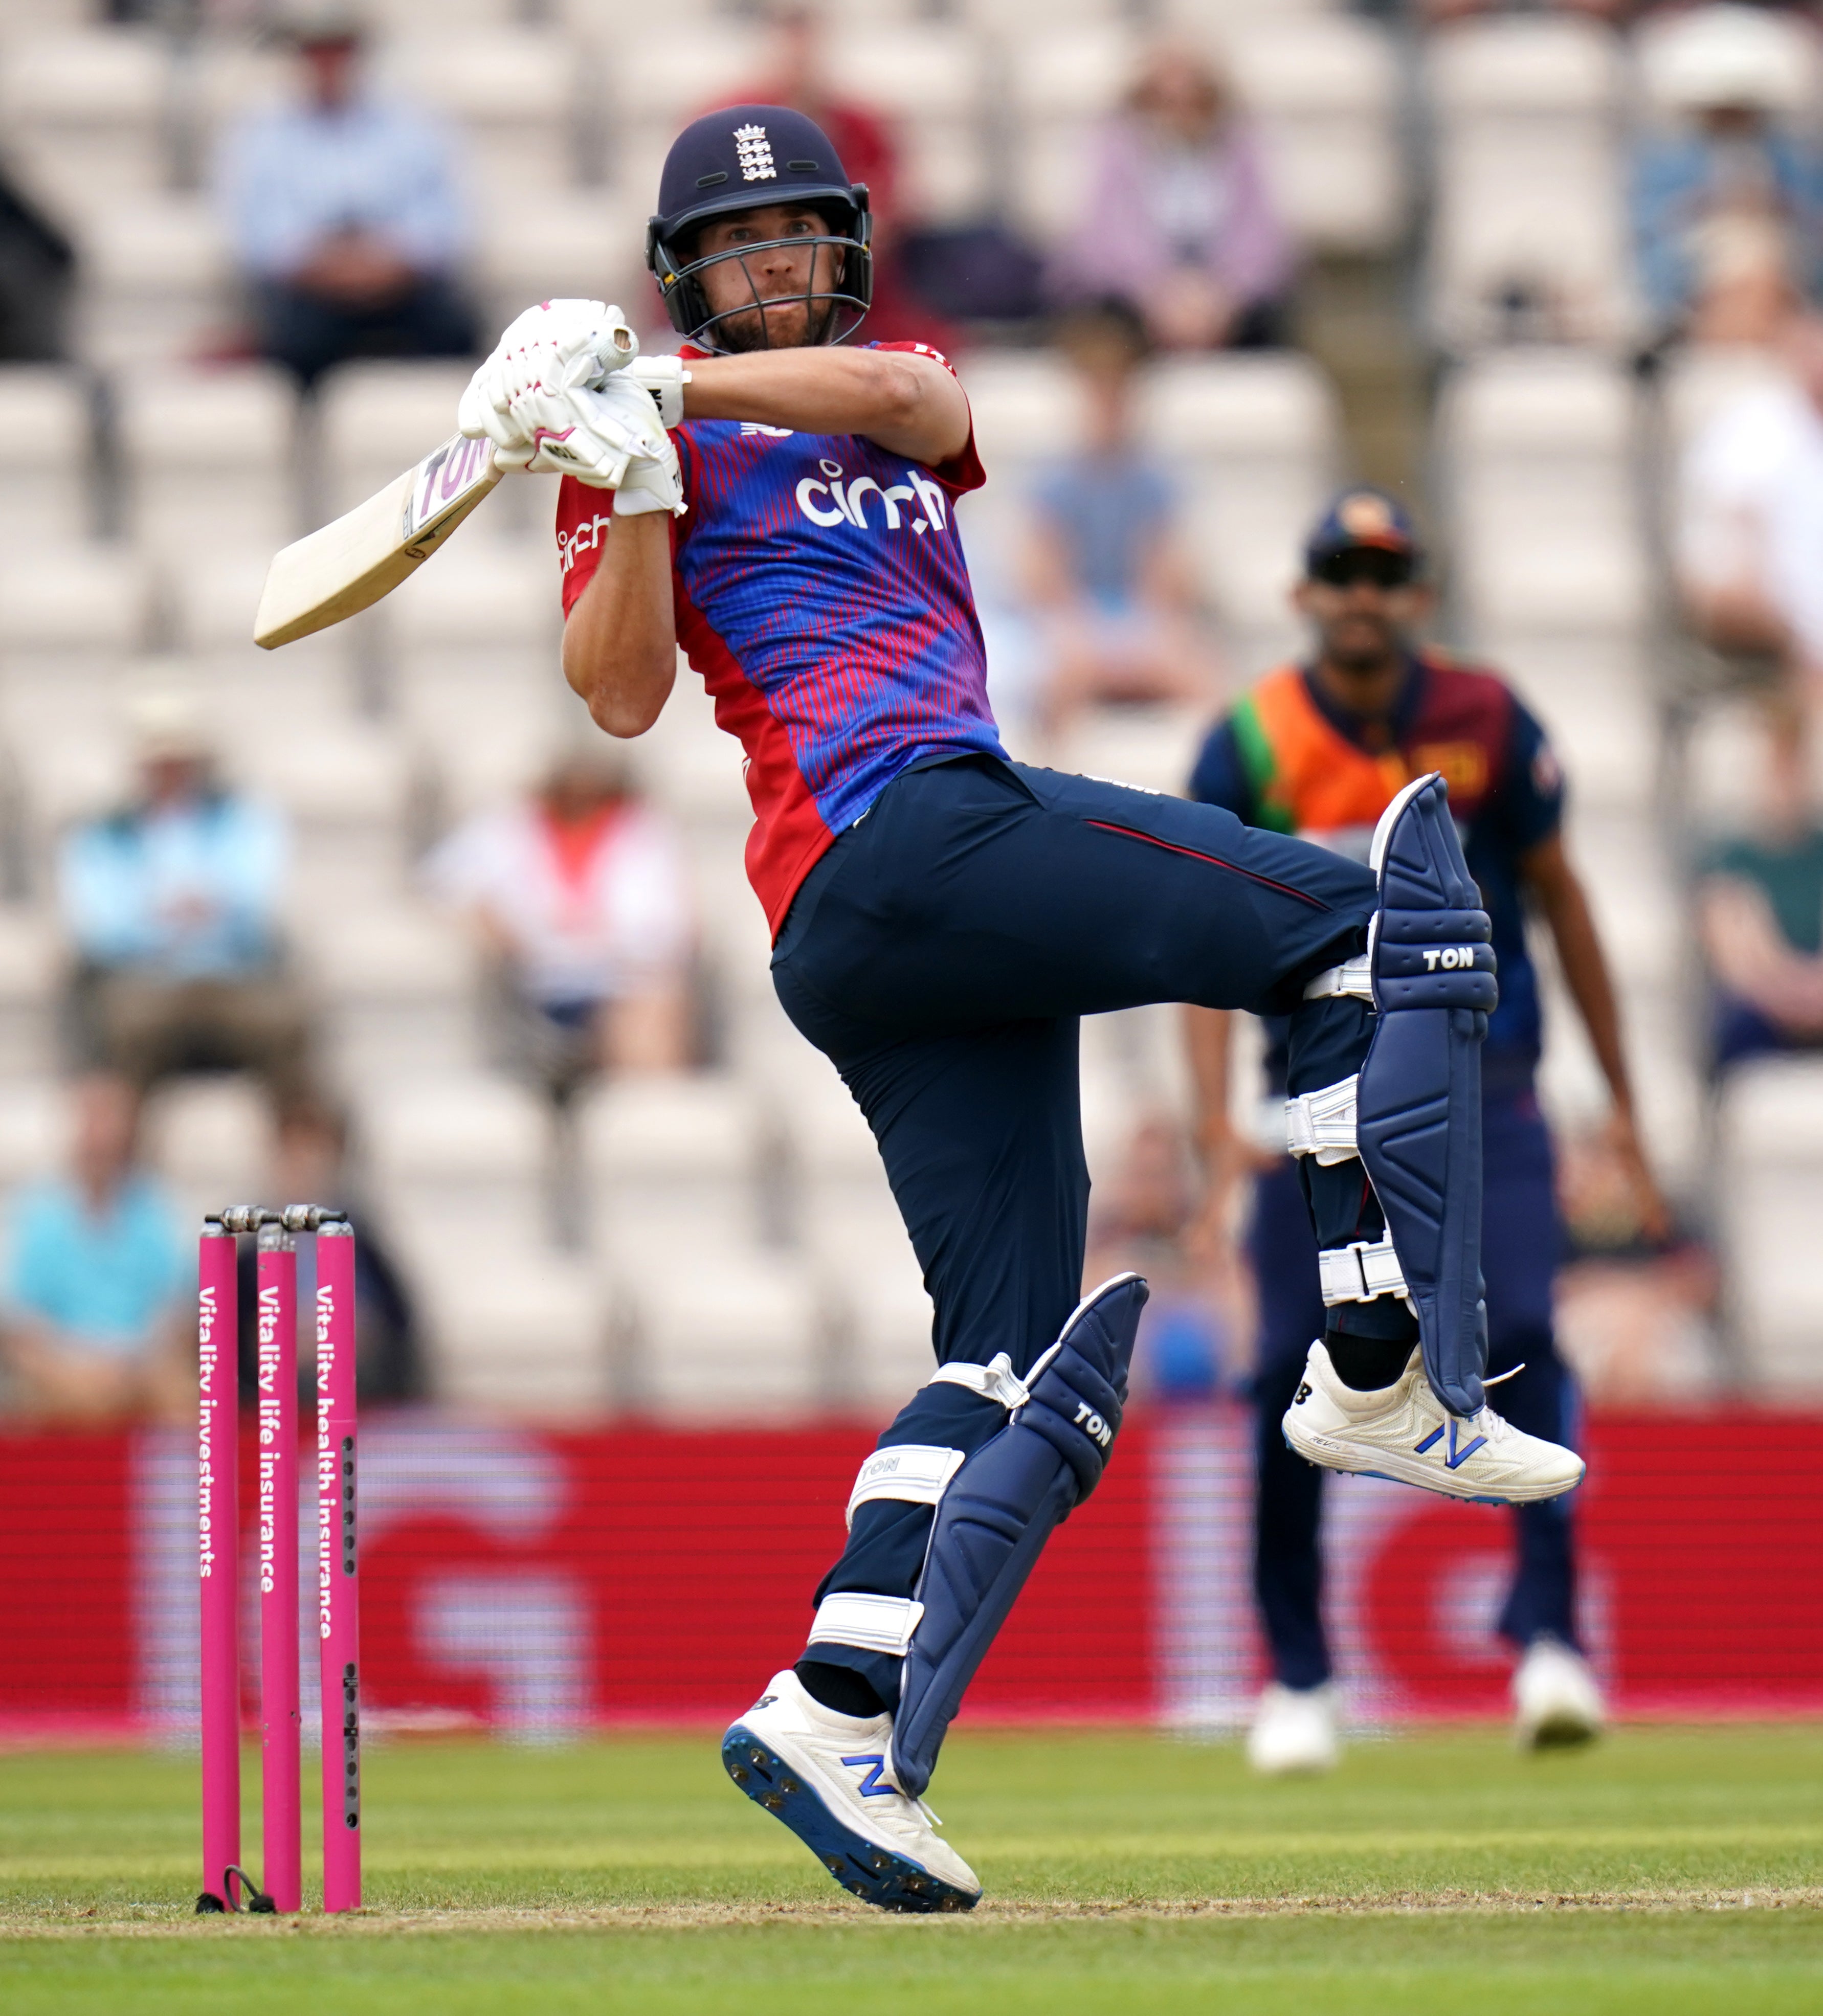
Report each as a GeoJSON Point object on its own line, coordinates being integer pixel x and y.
{"type": "Point", "coordinates": [620, 644]}
{"type": "Point", "coordinates": [908, 404]}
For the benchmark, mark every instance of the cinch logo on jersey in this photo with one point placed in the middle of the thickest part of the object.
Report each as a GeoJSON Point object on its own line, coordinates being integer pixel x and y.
{"type": "Point", "coordinates": [584, 539]}
{"type": "Point", "coordinates": [847, 503]}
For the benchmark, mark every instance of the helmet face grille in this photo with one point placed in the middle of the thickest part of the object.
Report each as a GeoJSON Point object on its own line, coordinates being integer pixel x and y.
{"type": "Point", "coordinates": [839, 288]}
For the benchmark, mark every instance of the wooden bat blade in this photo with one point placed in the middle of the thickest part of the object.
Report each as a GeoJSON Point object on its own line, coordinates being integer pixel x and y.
{"type": "Point", "coordinates": [348, 565]}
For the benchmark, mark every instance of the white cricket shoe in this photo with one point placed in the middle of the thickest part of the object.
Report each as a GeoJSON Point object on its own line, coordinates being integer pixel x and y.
{"type": "Point", "coordinates": [825, 1775]}
{"type": "Point", "coordinates": [1404, 1432]}
{"type": "Point", "coordinates": [1558, 1702]}
{"type": "Point", "coordinates": [1294, 1729]}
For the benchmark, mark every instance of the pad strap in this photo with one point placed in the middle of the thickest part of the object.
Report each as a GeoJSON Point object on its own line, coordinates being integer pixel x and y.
{"type": "Point", "coordinates": [1360, 1272]}
{"type": "Point", "coordinates": [913, 1472]}
{"type": "Point", "coordinates": [1353, 977]}
{"type": "Point", "coordinates": [996, 1380]}
{"type": "Point", "coordinates": [1322, 1123]}
{"type": "Point", "coordinates": [875, 1623]}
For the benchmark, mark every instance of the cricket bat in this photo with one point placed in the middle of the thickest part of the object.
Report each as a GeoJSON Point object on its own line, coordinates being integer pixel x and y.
{"type": "Point", "coordinates": [348, 566]}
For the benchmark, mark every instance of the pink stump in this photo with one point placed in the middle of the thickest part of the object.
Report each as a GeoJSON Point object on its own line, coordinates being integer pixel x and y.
{"type": "Point", "coordinates": [338, 1586]}
{"type": "Point", "coordinates": [280, 1724]}
{"type": "Point", "coordinates": [218, 1536]}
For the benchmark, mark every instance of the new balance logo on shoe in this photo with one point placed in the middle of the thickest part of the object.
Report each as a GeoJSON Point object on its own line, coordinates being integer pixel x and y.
{"type": "Point", "coordinates": [1453, 1458]}
{"type": "Point", "coordinates": [1303, 1394]}
{"type": "Point", "coordinates": [765, 1701]}
{"type": "Point", "coordinates": [873, 1786]}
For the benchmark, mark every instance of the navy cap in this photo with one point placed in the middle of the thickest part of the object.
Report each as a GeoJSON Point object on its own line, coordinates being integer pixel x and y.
{"type": "Point", "coordinates": [744, 156]}
{"type": "Point", "coordinates": [1364, 516]}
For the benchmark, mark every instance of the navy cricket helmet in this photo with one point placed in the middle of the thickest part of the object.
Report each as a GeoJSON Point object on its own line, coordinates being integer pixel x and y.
{"type": "Point", "coordinates": [739, 158]}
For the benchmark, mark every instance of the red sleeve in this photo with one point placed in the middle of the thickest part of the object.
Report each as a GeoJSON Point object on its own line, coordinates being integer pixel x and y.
{"type": "Point", "coordinates": [583, 517]}
{"type": "Point", "coordinates": [961, 473]}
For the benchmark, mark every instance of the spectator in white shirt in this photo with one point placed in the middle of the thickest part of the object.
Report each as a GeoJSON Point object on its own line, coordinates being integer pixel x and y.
{"type": "Point", "coordinates": [579, 895]}
{"type": "Point", "coordinates": [344, 211]}
{"type": "Point", "coordinates": [1750, 515]}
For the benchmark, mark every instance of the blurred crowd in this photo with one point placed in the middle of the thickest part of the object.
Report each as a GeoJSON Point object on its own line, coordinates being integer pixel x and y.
{"type": "Point", "coordinates": [1183, 210]}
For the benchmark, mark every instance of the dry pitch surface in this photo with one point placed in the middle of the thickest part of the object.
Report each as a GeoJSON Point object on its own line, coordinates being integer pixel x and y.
{"type": "Point", "coordinates": [1667, 1871]}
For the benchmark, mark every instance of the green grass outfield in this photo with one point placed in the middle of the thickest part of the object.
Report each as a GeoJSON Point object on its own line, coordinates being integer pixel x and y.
{"type": "Point", "coordinates": [1667, 1870]}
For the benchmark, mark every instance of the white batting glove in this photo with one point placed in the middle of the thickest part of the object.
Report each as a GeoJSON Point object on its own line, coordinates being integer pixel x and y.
{"type": "Point", "coordinates": [556, 346]}
{"type": "Point", "coordinates": [653, 485]}
{"type": "Point", "coordinates": [602, 436]}
{"type": "Point", "coordinates": [664, 378]}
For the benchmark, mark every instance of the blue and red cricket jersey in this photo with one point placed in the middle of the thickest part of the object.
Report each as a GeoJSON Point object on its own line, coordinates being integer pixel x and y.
{"type": "Point", "coordinates": [822, 593]}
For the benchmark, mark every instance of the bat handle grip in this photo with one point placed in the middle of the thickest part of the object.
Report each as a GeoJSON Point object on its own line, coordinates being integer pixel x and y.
{"type": "Point", "coordinates": [615, 345]}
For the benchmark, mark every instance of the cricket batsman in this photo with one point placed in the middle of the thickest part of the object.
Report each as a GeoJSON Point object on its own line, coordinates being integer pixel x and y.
{"type": "Point", "coordinates": [784, 507]}
{"type": "Point", "coordinates": [1321, 750]}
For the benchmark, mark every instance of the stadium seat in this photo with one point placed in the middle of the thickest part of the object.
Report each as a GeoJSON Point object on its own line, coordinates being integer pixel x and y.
{"type": "Point", "coordinates": [1675, 50]}
{"type": "Point", "coordinates": [716, 1332]}
{"type": "Point", "coordinates": [695, 769]}
{"type": "Point", "coordinates": [27, 18]}
{"type": "Point", "coordinates": [1325, 90]}
{"type": "Point", "coordinates": [475, 745]}
{"type": "Point", "coordinates": [1063, 79]}
{"type": "Point", "coordinates": [209, 456]}
{"type": "Point", "coordinates": [375, 419]}
{"type": "Point", "coordinates": [648, 94]}
{"type": "Point", "coordinates": [34, 1128]}
{"type": "Point", "coordinates": [485, 613]}
{"type": "Point", "coordinates": [669, 1158]}
{"type": "Point", "coordinates": [512, 93]}
{"type": "Point", "coordinates": [84, 114]}
{"type": "Point", "coordinates": [208, 596]}
{"type": "Point", "coordinates": [211, 1139]}
{"type": "Point", "coordinates": [397, 985]}
{"type": "Point", "coordinates": [406, 17]}
{"type": "Point", "coordinates": [71, 612]}
{"type": "Point", "coordinates": [1725, 754]}
{"type": "Point", "coordinates": [155, 281]}
{"type": "Point", "coordinates": [1769, 1190]}
{"type": "Point", "coordinates": [515, 1330]}
{"type": "Point", "coordinates": [1153, 747]}
{"type": "Point", "coordinates": [1560, 69]}
{"type": "Point", "coordinates": [31, 961]}
{"type": "Point", "coordinates": [927, 78]}
{"type": "Point", "coordinates": [587, 244]}
{"type": "Point", "coordinates": [472, 1142]}
{"type": "Point", "coordinates": [1539, 448]}
{"type": "Point", "coordinates": [1020, 18]}
{"type": "Point", "coordinates": [1024, 403]}
{"type": "Point", "coordinates": [1255, 444]}
{"type": "Point", "coordinates": [1528, 232]}
{"type": "Point", "coordinates": [882, 1317]}
{"type": "Point", "coordinates": [46, 452]}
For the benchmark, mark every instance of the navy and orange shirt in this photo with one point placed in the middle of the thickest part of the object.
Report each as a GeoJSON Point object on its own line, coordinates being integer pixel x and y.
{"type": "Point", "coordinates": [1289, 759]}
{"type": "Point", "coordinates": [822, 594]}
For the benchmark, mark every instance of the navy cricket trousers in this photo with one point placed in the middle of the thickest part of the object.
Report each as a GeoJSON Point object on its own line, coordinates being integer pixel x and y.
{"type": "Point", "coordinates": [1521, 1241]}
{"type": "Point", "coordinates": [941, 954]}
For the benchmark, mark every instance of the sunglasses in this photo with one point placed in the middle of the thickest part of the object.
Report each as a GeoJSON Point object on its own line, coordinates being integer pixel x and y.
{"type": "Point", "coordinates": [1369, 563]}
